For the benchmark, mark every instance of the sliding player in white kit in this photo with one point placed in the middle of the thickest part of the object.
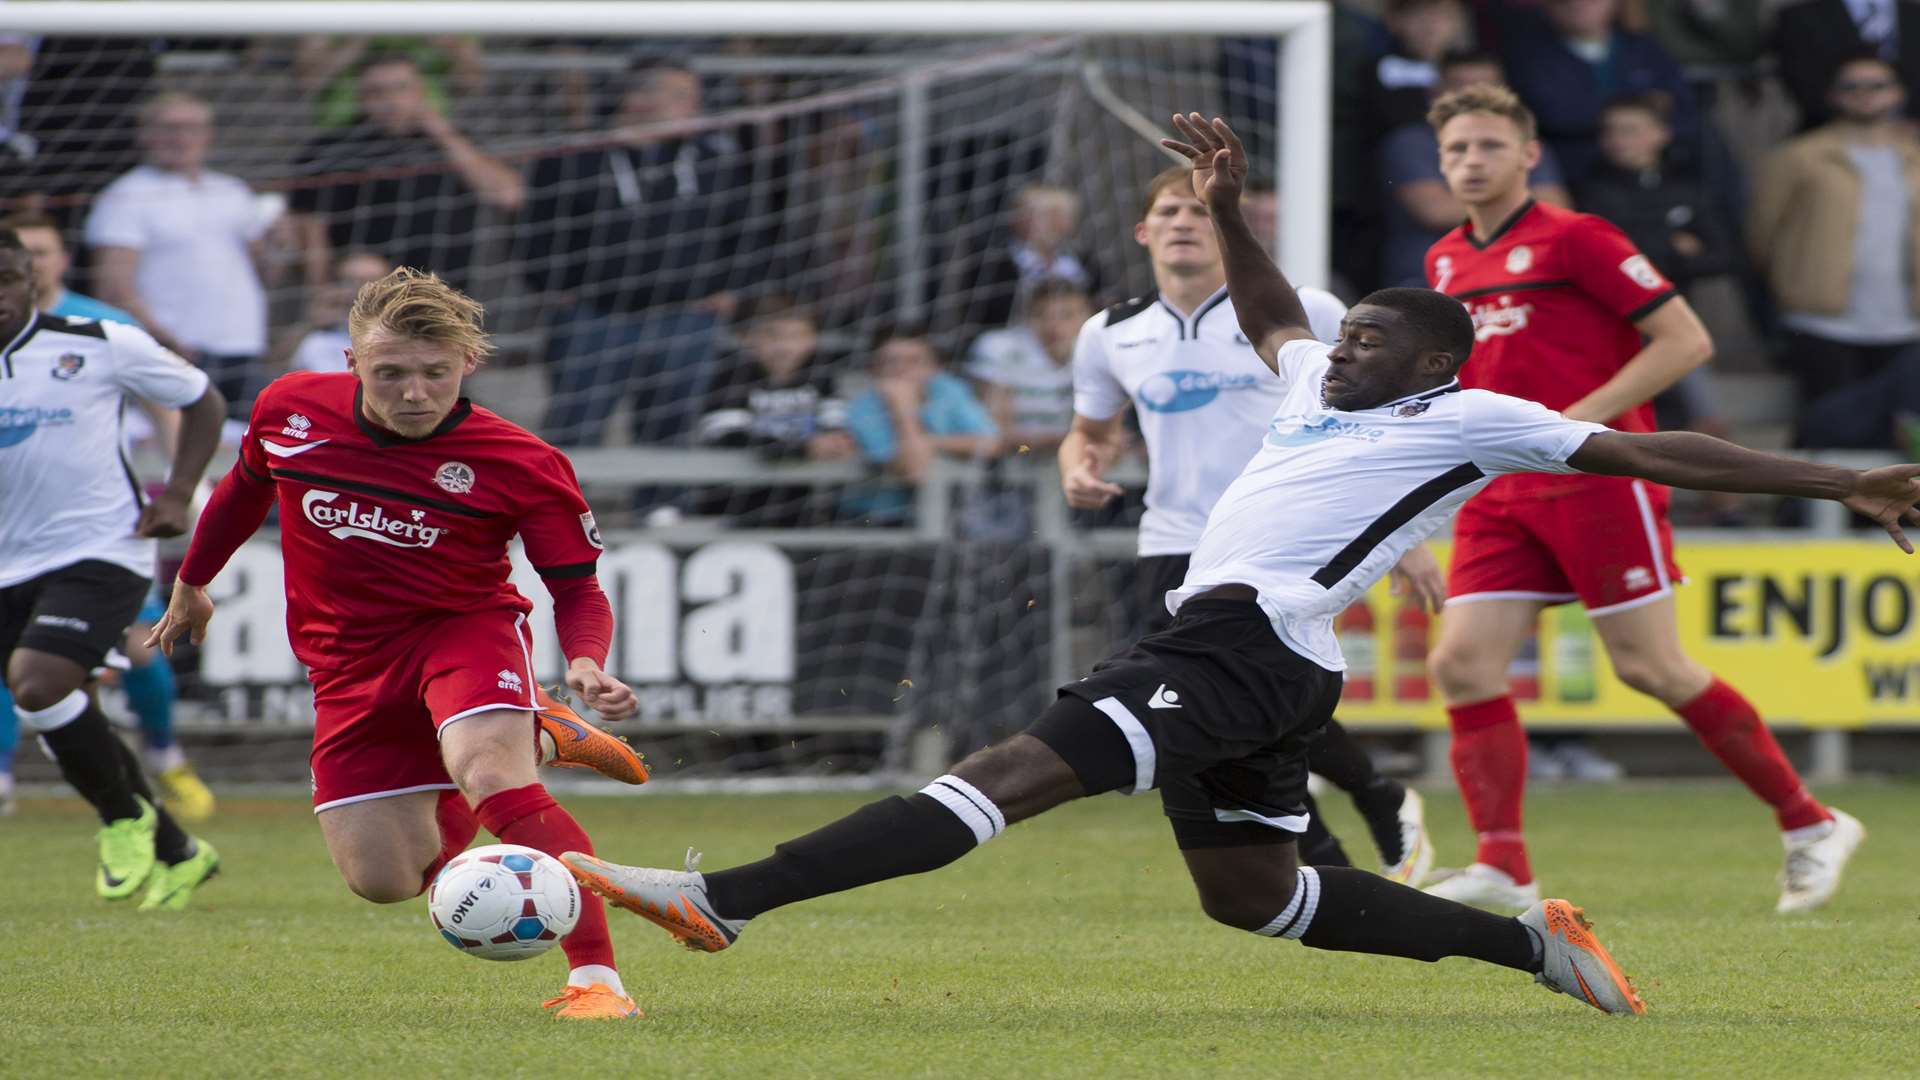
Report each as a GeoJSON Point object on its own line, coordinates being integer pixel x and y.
{"type": "Point", "coordinates": [1203, 398]}
{"type": "Point", "coordinates": [1373, 447]}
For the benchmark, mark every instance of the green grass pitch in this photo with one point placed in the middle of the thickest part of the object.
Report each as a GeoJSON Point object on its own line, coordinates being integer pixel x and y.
{"type": "Point", "coordinates": [1070, 947]}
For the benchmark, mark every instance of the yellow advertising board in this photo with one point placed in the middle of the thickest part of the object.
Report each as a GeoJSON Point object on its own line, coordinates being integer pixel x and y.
{"type": "Point", "coordinates": [1816, 633]}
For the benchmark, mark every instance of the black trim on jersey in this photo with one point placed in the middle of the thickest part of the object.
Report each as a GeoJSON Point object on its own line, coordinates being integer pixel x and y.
{"type": "Point", "coordinates": [1518, 286]}
{"type": "Point", "coordinates": [1127, 309]}
{"type": "Point", "coordinates": [383, 492]}
{"type": "Point", "coordinates": [1514, 219]}
{"type": "Point", "coordinates": [1217, 299]}
{"type": "Point", "coordinates": [1178, 320]}
{"type": "Point", "coordinates": [25, 335]}
{"type": "Point", "coordinates": [1409, 507]}
{"type": "Point", "coordinates": [572, 570]}
{"type": "Point", "coordinates": [61, 324]}
{"type": "Point", "coordinates": [383, 438]}
{"type": "Point", "coordinates": [120, 440]}
{"type": "Point", "coordinates": [1651, 306]}
{"type": "Point", "coordinates": [248, 469]}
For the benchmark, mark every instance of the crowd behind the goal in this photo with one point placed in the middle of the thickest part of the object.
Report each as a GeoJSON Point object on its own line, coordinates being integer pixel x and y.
{"type": "Point", "coordinates": [681, 278]}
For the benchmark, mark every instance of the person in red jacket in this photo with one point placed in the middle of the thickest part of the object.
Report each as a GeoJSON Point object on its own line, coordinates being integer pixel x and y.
{"type": "Point", "coordinates": [1566, 312]}
{"type": "Point", "coordinates": [397, 498]}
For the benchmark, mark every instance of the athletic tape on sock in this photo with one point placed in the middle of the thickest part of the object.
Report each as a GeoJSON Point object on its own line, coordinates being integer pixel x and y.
{"type": "Point", "coordinates": [1298, 914]}
{"type": "Point", "coordinates": [55, 716]}
{"type": "Point", "coordinates": [969, 805]}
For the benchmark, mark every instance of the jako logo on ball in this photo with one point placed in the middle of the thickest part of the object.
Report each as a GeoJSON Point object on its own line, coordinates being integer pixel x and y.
{"type": "Point", "coordinates": [1178, 391]}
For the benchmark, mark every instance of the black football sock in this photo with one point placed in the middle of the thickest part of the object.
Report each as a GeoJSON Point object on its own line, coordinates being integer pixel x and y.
{"type": "Point", "coordinates": [171, 844]}
{"type": "Point", "coordinates": [1318, 847]}
{"type": "Point", "coordinates": [887, 839]}
{"type": "Point", "coordinates": [88, 754]}
{"type": "Point", "coordinates": [1348, 910]}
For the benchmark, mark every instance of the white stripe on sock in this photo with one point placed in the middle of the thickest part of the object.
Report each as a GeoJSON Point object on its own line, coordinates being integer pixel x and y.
{"type": "Point", "coordinates": [1309, 887]}
{"type": "Point", "coordinates": [969, 805]}
{"type": "Point", "coordinates": [55, 716]}
{"type": "Point", "coordinates": [1287, 913]}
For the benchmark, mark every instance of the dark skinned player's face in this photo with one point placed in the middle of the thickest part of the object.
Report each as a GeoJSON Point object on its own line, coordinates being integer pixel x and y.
{"type": "Point", "coordinates": [16, 292]}
{"type": "Point", "coordinates": [1376, 361]}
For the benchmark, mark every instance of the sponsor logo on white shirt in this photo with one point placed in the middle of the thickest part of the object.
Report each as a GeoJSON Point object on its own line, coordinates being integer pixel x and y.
{"type": "Point", "coordinates": [351, 520]}
{"type": "Point", "coordinates": [1178, 391]}
{"type": "Point", "coordinates": [1297, 430]}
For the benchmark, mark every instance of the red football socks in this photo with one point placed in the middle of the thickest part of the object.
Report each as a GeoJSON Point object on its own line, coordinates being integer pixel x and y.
{"type": "Point", "coordinates": [1490, 765]}
{"type": "Point", "coordinates": [528, 816]}
{"type": "Point", "coordinates": [1727, 725]}
{"type": "Point", "coordinates": [457, 826]}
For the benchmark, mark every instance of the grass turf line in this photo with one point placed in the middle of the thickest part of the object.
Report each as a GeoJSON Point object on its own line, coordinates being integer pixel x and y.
{"type": "Point", "coordinates": [1072, 946]}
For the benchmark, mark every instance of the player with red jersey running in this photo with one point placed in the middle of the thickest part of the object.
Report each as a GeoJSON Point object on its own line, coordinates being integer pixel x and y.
{"type": "Point", "coordinates": [1568, 313]}
{"type": "Point", "coordinates": [397, 499]}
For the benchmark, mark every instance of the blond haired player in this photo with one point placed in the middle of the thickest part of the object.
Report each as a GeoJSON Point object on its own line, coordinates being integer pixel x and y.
{"type": "Point", "coordinates": [397, 499]}
{"type": "Point", "coordinates": [1566, 312]}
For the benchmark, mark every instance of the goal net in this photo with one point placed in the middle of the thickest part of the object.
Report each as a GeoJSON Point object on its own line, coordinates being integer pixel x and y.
{"type": "Point", "coordinates": [720, 246]}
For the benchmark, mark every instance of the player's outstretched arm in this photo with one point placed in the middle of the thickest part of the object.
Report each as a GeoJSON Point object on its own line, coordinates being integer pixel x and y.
{"type": "Point", "coordinates": [1270, 311]}
{"type": "Point", "coordinates": [1703, 463]}
{"type": "Point", "coordinates": [198, 438]}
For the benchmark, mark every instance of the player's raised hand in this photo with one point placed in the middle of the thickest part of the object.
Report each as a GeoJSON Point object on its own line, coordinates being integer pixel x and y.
{"type": "Point", "coordinates": [188, 612]}
{"type": "Point", "coordinates": [1219, 161]}
{"type": "Point", "coordinates": [1888, 495]}
{"type": "Point", "coordinates": [1418, 575]}
{"type": "Point", "coordinates": [603, 693]}
{"type": "Point", "coordinates": [1084, 488]}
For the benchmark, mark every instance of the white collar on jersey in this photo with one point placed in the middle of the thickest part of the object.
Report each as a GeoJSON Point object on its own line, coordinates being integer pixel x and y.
{"type": "Point", "coordinates": [1448, 387]}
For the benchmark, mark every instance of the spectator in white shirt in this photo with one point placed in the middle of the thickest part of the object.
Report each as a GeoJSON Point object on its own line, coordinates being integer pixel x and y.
{"type": "Point", "coordinates": [178, 245]}
{"type": "Point", "coordinates": [1025, 371]}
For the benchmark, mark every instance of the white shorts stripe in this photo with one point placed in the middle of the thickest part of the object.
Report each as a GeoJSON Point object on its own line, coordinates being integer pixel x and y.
{"type": "Point", "coordinates": [1293, 823]}
{"type": "Point", "coordinates": [1653, 537]}
{"type": "Point", "coordinates": [1512, 594]}
{"type": "Point", "coordinates": [1137, 738]}
{"type": "Point", "coordinates": [526, 655]}
{"type": "Point", "coordinates": [1629, 605]}
{"type": "Point", "coordinates": [372, 795]}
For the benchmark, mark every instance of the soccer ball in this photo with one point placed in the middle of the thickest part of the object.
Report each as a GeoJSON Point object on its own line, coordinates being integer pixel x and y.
{"type": "Point", "coordinates": [503, 902]}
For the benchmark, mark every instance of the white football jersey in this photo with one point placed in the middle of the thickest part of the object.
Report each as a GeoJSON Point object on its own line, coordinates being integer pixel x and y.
{"type": "Point", "coordinates": [1333, 499]}
{"type": "Point", "coordinates": [1202, 394]}
{"type": "Point", "coordinates": [67, 493]}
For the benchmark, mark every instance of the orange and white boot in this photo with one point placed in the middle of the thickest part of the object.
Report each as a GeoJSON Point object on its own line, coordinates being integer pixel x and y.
{"type": "Point", "coordinates": [568, 742]}
{"type": "Point", "coordinates": [1574, 961]}
{"type": "Point", "coordinates": [596, 1002]}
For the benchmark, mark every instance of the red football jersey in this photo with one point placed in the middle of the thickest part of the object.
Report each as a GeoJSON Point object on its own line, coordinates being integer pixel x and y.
{"type": "Point", "coordinates": [379, 532]}
{"type": "Point", "coordinates": [1554, 296]}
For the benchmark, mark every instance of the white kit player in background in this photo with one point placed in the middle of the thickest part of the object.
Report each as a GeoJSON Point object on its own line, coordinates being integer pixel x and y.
{"type": "Point", "coordinates": [77, 555]}
{"type": "Point", "coordinates": [1203, 398]}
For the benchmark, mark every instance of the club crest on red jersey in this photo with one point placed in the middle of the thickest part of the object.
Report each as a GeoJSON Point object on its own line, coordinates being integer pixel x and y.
{"type": "Point", "coordinates": [1642, 272]}
{"type": "Point", "coordinates": [1520, 259]}
{"type": "Point", "coordinates": [455, 477]}
{"type": "Point", "coordinates": [592, 530]}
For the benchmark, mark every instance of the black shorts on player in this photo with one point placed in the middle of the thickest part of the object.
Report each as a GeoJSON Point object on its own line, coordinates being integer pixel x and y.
{"type": "Point", "coordinates": [1215, 712]}
{"type": "Point", "coordinates": [78, 612]}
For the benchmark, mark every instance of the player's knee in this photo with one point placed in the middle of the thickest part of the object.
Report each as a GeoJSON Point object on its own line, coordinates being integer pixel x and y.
{"type": "Point", "coordinates": [1022, 776]}
{"type": "Point", "coordinates": [382, 884]}
{"type": "Point", "coordinates": [34, 689]}
{"type": "Point", "coordinates": [1247, 909]}
{"type": "Point", "coordinates": [1463, 672]}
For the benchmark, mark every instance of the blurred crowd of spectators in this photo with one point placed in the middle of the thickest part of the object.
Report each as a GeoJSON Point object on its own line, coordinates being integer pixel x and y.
{"type": "Point", "coordinates": [687, 265]}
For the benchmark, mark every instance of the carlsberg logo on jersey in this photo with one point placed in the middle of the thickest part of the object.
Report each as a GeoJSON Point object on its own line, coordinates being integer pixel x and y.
{"type": "Point", "coordinates": [1297, 430]}
{"type": "Point", "coordinates": [374, 524]}
{"type": "Point", "coordinates": [1178, 391]}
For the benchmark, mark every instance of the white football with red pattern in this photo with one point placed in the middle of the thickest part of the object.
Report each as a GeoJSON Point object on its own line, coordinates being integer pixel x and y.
{"type": "Point", "coordinates": [503, 902]}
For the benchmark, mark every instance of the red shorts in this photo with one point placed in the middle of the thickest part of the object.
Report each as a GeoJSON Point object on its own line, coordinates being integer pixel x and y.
{"type": "Point", "coordinates": [377, 719]}
{"type": "Point", "coordinates": [1607, 545]}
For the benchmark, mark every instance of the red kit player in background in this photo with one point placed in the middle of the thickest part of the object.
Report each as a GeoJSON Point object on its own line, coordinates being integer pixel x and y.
{"type": "Point", "coordinates": [397, 499]}
{"type": "Point", "coordinates": [1568, 313]}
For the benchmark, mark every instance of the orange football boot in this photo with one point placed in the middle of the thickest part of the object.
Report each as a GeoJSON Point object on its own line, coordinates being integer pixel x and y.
{"type": "Point", "coordinates": [596, 1002]}
{"type": "Point", "coordinates": [579, 745]}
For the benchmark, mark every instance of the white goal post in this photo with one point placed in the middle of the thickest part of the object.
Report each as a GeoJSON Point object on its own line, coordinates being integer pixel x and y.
{"type": "Point", "coordinates": [1303, 27]}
